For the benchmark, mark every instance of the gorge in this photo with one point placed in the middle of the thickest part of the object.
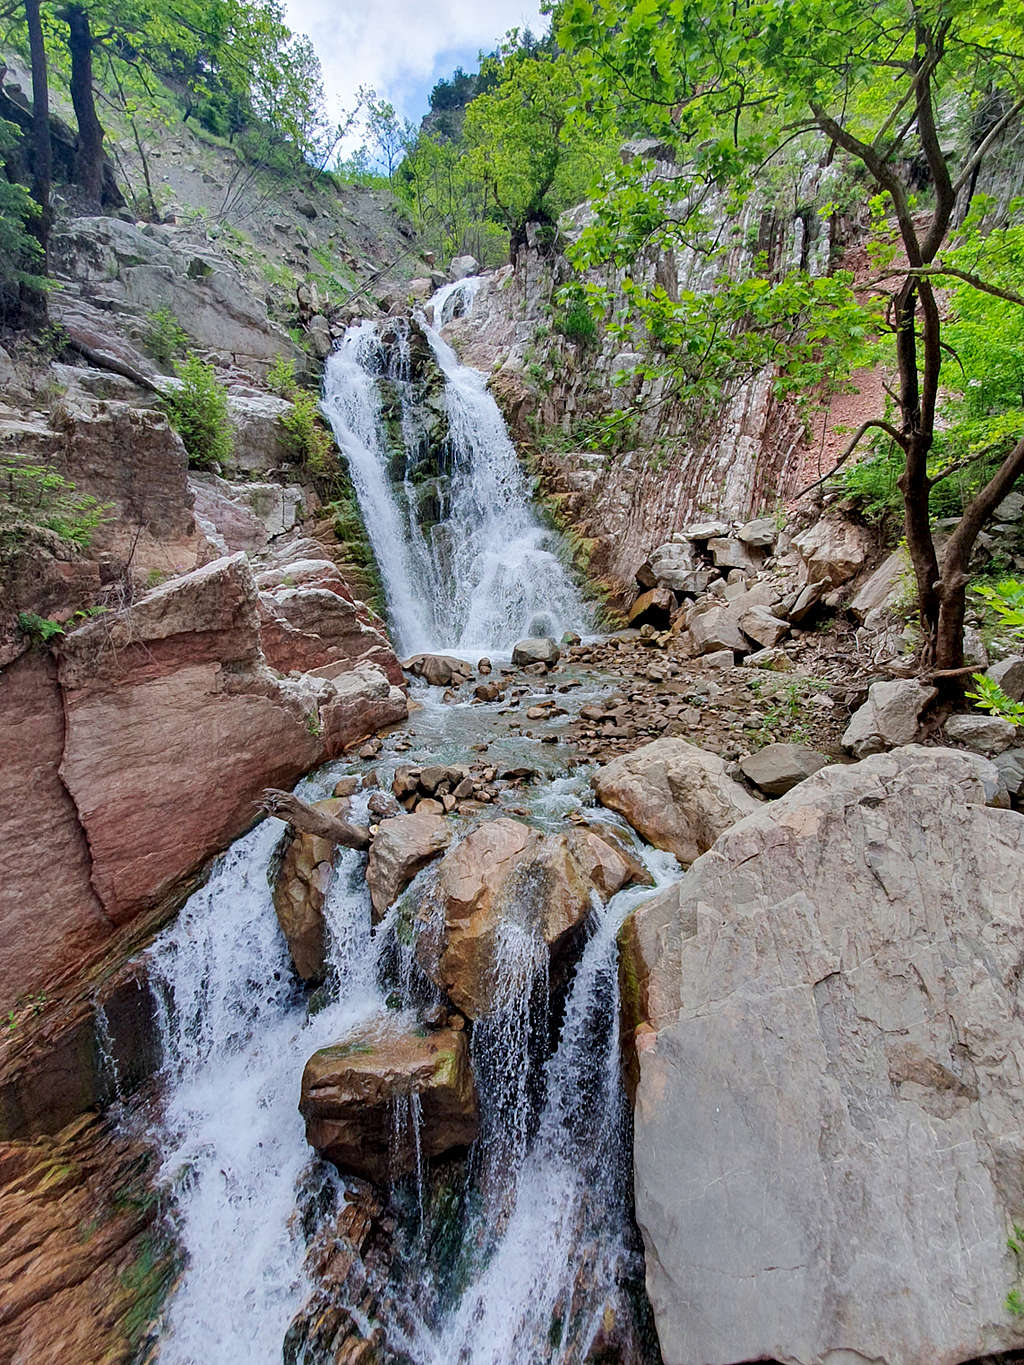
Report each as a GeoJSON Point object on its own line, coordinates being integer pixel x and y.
{"type": "Point", "coordinates": [511, 683]}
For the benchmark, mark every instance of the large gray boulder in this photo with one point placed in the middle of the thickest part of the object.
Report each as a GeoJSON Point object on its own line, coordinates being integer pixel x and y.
{"type": "Point", "coordinates": [539, 649]}
{"type": "Point", "coordinates": [778, 767]}
{"type": "Point", "coordinates": [832, 550]}
{"type": "Point", "coordinates": [829, 1041]}
{"type": "Point", "coordinates": [679, 797]}
{"type": "Point", "coordinates": [890, 716]}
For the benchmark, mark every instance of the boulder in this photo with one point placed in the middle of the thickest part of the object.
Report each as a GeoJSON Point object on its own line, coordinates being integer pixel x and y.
{"type": "Point", "coordinates": [677, 796]}
{"type": "Point", "coordinates": [832, 550]}
{"type": "Point", "coordinates": [761, 533]}
{"type": "Point", "coordinates": [174, 725]}
{"type": "Point", "coordinates": [309, 627]}
{"type": "Point", "coordinates": [890, 716]}
{"type": "Point", "coordinates": [883, 588]}
{"type": "Point", "coordinates": [1010, 766]}
{"type": "Point", "coordinates": [401, 846]}
{"type": "Point", "coordinates": [299, 893]}
{"type": "Point", "coordinates": [507, 897]}
{"type": "Point", "coordinates": [462, 267]}
{"type": "Point", "coordinates": [439, 670]}
{"type": "Point", "coordinates": [536, 650]}
{"type": "Point", "coordinates": [260, 439]}
{"type": "Point", "coordinates": [806, 602]}
{"type": "Point", "coordinates": [357, 1100]}
{"type": "Point", "coordinates": [1009, 675]}
{"type": "Point", "coordinates": [828, 1039]}
{"type": "Point", "coordinates": [983, 734]}
{"type": "Point", "coordinates": [762, 627]}
{"type": "Point", "coordinates": [717, 629]}
{"type": "Point", "coordinates": [653, 608]}
{"type": "Point", "coordinates": [778, 767]}
{"type": "Point", "coordinates": [705, 531]}
{"type": "Point", "coordinates": [729, 553]}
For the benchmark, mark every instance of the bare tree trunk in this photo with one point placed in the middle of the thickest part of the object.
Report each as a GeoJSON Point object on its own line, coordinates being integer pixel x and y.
{"type": "Point", "coordinates": [307, 819]}
{"type": "Point", "coordinates": [89, 148]}
{"type": "Point", "coordinates": [42, 153]}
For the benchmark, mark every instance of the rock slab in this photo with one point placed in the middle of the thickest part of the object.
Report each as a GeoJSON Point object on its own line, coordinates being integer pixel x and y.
{"type": "Point", "coordinates": [677, 796]}
{"type": "Point", "coordinates": [829, 1045]}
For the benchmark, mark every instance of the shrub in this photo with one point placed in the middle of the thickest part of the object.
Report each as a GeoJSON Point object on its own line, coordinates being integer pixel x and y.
{"type": "Point", "coordinates": [164, 337]}
{"type": "Point", "coordinates": [305, 434]}
{"type": "Point", "coordinates": [34, 497]}
{"type": "Point", "coordinates": [198, 411]}
{"type": "Point", "coordinates": [281, 377]}
{"type": "Point", "coordinates": [576, 323]}
{"type": "Point", "coordinates": [39, 629]}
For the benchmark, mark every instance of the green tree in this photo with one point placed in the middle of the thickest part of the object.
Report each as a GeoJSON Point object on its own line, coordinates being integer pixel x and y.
{"type": "Point", "coordinates": [21, 256]}
{"type": "Point", "coordinates": [892, 89]}
{"type": "Point", "coordinates": [525, 142]}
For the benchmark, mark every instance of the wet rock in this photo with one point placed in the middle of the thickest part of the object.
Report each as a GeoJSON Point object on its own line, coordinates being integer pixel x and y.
{"type": "Point", "coordinates": [401, 846]}
{"type": "Point", "coordinates": [536, 650]}
{"type": "Point", "coordinates": [439, 670]}
{"type": "Point", "coordinates": [827, 1015]}
{"type": "Point", "coordinates": [890, 716]}
{"type": "Point", "coordinates": [352, 1090]}
{"type": "Point", "coordinates": [777, 768]}
{"type": "Point", "coordinates": [299, 893]}
{"type": "Point", "coordinates": [982, 734]}
{"type": "Point", "coordinates": [506, 873]}
{"type": "Point", "coordinates": [677, 796]}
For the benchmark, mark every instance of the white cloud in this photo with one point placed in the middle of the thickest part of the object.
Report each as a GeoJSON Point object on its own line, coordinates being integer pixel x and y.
{"type": "Point", "coordinates": [400, 47]}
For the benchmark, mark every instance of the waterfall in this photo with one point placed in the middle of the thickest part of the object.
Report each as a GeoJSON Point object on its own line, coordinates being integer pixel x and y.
{"type": "Point", "coordinates": [484, 572]}
{"type": "Point", "coordinates": [236, 1035]}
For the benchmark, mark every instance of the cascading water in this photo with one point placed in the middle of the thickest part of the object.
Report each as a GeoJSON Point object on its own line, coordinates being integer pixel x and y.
{"type": "Point", "coordinates": [541, 1256]}
{"type": "Point", "coordinates": [484, 572]}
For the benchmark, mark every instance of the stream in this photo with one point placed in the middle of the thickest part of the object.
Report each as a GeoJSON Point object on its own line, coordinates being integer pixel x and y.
{"type": "Point", "coordinates": [526, 1251]}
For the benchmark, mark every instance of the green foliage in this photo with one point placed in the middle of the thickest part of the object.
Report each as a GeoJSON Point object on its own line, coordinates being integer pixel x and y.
{"type": "Point", "coordinates": [989, 696]}
{"type": "Point", "coordinates": [574, 319]}
{"type": "Point", "coordinates": [35, 498]}
{"type": "Point", "coordinates": [281, 377]}
{"type": "Point", "coordinates": [20, 254]}
{"type": "Point", "coordinates": [306, 435]}
{"type": "Point", "coordinates": [198, 411]}
{"type": "Point", "coordinates": [1005, 598]}
{"type": "Point", "coordinates": [40, 629]}
{"type": "Point", "coordinates": [164, 338]}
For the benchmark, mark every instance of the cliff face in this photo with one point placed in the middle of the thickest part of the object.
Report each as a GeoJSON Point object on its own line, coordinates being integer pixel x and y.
{"type": "Point", "coordinates": [678, 463]}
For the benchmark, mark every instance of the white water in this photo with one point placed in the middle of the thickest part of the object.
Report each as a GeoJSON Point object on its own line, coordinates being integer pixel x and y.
{"type": "Point", "coordinates": [236, 1038]}
{"type": "Point", "coordinates": [486, 573]}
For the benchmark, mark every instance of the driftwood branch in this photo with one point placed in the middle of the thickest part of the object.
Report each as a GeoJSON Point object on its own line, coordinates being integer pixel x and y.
{"type": "Point", "coordinates": [307, 819]}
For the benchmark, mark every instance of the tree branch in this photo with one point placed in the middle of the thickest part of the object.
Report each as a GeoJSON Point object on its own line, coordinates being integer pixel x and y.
{"type": "Point", "coordinates": [975, 281]}
{"type": "Point", "coordinates": [307, 819]}
{"type": "Point", "coordinates": [863, 429]}
{"type": "Point", "coordinates": [992, 137]}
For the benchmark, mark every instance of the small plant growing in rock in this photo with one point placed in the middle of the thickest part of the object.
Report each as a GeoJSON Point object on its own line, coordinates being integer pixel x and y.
{"type": "Point", "coordinates": [281, 377]}
{"type": "Point", "coordinates": [164, 337]}
{"type": "Point", "coordinates": [305, 433]}
{"type": "Point", "coordinates": [1006, 599]}
{"type": "Point", "coordinates": [39, 629]}
{"type": "Point", "coordinates": [35, 498]}
{"type": "Point", "coordinates": [198, 411]}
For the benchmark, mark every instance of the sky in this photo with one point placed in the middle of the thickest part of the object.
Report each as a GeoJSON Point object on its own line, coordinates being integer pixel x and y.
{"type": "Point", "coordinates": [402, 47]}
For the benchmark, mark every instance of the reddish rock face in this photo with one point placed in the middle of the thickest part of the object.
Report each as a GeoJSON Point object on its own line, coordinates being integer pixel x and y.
{"type": "Point", "coordinates": [144, 752]}
{"type": "Point", "coordinates": [49, 914]}
{"type": "Point", "coordinates": [312, 627]}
